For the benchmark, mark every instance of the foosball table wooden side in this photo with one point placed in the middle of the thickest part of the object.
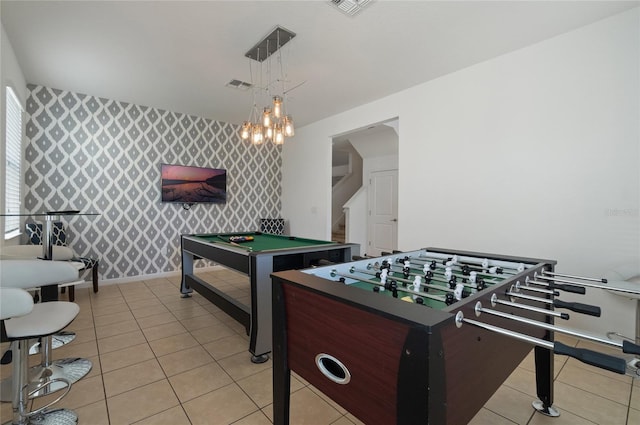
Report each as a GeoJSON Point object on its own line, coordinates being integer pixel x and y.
{"type": "Point", "coordinates": [386, 361]}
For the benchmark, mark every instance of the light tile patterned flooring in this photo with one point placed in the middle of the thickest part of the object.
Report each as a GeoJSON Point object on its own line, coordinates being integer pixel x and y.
{"type": "Point", "coordinates": [162, 359]}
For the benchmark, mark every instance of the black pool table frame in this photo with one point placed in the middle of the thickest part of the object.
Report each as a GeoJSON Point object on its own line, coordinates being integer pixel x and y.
{"type": "Point", "coordinates": [259, 265]}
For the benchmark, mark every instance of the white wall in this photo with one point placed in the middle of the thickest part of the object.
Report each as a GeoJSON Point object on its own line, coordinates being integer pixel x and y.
{"type": "Point", "coordinates": [306, 167]}
{"type": "Point", "coordinates": [346, 187]}
{"type": "Point", "coordinates": [10, 75]}
{"type": "Point", "coordinates": [356, 227]}
{"type": "Point", "coordinates": [534, 153]}
{"type": "Point", "coordinates": [10, 72]}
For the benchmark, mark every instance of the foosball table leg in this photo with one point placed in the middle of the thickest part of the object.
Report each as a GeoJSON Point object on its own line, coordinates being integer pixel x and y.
{"type": "Point", "coordinates": [281, 371]}
{"type": "Point", "coordinates": [544, 382]}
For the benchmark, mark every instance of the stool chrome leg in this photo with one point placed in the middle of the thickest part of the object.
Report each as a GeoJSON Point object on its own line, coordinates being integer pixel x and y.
{"type": "Point", "coordinates": [68, 369]}
{"type": "Point", "coordinates": [21, 395]}
{"type": "Point", "coordinates": [58, 340]}
{"type": "Point", "coordinates": [49, 376]}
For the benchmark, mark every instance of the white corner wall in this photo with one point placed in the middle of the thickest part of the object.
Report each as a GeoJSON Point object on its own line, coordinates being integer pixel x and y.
{"type": "Point", "coordinates": [534, 153]}
{"type": "Point", "coordinates": [10, 75]}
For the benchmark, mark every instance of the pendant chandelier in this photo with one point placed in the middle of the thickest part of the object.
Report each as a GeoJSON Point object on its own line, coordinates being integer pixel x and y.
{"type": "Point", "coordinates": [271, 123]}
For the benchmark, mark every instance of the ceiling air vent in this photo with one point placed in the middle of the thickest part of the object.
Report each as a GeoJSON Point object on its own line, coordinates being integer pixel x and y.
{"type": "Point", "coordinates": [350, 7]}
{"type": "Point", "coordinates": [240, 85]}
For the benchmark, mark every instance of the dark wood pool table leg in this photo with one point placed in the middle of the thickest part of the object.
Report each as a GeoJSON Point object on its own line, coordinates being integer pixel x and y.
{"type": "Point", "coordinates": [187, 269]}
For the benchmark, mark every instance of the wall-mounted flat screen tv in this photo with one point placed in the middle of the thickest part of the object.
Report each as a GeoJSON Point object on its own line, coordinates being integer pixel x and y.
{"type": "Point", "coordinates": [187, 185]}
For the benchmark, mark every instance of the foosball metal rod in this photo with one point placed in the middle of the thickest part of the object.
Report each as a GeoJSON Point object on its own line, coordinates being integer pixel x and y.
{"type": "Point", "coordinates": [567, 288]}
{"type": "Point", "coordinates": [489, 277]}
{"type": "Point", "coordinates": [373, 282]}
{"type": "Point", "coordinates": [495, 300]}
{"type": "Point", "coordinates": [473, 260]}
{"type": "Point", "coordinates": [594, 358]}
{"type": "Point", "coordinates": [593, 285]}
{"type": "Point", "coordinates": [525, 287]}
{"type": "Point", "coordinates": [628, 348]}
{"type": "Point", "coordinates": [480, 272]}
{"type": "Point", "coordinates": [593, 279]}
{"type": "Point", "coordinates": [492, 277]}
{"type": "Point", "coordinates": [590, 310]}
{"type": "Point", "coordinates": [484, 267]}
{"type": "Point", "coordinates": [399, 279]}
{"type": "Point", "coordinates": [466, 285]}
{"type": "Point", "coordinates": [443, 279]}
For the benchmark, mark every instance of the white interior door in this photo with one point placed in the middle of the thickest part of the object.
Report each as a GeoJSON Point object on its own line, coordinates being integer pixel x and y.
{"type": "Point", "coordinates": [383, 212]}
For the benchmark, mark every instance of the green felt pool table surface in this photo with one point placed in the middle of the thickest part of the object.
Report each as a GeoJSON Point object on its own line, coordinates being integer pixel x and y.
{"type": "Point", "coordinates": [262, 241]}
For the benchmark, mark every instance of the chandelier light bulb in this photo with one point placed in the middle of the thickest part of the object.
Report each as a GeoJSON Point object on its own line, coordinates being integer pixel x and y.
{"type": "Point", "coordinates": [245, 132]}
{"type": "Point", "coordinates": [256, 134]}
{"type": "Point", "coordinates": [277, 106]}
{"type": "Point", "coordinates": [278, 138]}
{"type": "Point", "coordinates": [268, 133]}
{"type": "Point", "coordinates": [266, 117]}
{"type": "Point", "coordinates": [288, 126]}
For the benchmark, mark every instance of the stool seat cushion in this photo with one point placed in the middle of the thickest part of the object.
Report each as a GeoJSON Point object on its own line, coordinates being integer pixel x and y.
{"type": "Point", "coordinates": [33, 273]}
{"type": "Point", "coordinates": [45, 319]}
{"type": "Point", "coordinates": [14, 302]}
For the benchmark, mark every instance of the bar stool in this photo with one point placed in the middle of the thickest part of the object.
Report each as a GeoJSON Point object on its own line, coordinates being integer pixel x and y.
{"type": "Point", "coordinates": [22, 320]}
{"type": "Point", "coordinates": [33, 252]}
{"type": "Point", "coordinates": [26, 274]}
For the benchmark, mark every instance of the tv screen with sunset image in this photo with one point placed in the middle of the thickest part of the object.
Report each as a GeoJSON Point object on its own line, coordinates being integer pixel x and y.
{"type": "Point", "coordinates": [186, 184]}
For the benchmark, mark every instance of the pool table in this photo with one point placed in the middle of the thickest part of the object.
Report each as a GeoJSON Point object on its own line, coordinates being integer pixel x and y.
{"type": "Point", "coordinates": [257, 258]}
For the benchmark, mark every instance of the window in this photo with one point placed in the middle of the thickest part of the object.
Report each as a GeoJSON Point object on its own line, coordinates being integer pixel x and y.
{"type": "Point", "coordinates": [12, 169]}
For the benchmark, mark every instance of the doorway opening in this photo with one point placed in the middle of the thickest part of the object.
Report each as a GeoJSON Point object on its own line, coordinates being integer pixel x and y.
{"type": "Point", "coordinates": [364, 187]}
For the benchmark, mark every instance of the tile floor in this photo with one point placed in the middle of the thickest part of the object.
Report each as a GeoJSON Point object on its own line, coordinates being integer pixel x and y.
{"type": "Point", "coordinates": [162, 359]}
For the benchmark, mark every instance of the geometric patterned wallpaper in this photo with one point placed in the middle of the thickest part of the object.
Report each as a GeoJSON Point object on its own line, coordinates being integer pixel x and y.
{"type": "Point", "coordinates": [99, 155]}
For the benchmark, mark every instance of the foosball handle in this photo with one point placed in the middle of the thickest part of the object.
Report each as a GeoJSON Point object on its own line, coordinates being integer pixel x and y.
{"type": "Point", "coordinates": [593, 358]}
{"type": "Point", "coordinates": [591, 310]}
{"type": "Point", "coordinates": [569, 288]}
{"type": "Point", "coordinates": [630, 348]}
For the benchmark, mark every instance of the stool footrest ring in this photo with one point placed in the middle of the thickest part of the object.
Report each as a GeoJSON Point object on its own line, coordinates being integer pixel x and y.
{"type": "Point", "coordinates": [41, 386]}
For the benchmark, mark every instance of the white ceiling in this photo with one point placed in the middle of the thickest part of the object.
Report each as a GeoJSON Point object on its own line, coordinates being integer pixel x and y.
{"type": "Point", "coordinates": [178, 55]}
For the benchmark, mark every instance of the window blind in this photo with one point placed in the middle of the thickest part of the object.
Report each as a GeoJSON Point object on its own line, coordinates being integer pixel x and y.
{"type": "Point", "coordinates": [13, 157]}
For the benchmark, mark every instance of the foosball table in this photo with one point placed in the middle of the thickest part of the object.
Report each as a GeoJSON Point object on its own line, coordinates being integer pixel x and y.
{"type": "Point", "coordinates": [424, 336]}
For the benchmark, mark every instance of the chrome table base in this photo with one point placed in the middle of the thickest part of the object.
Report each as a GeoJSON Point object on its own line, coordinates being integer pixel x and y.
{"type": "Point", "coordinates": [70, 369]}
{"type": "Point", "coordinates": [57, 341]}
{"type": "Point", "coordinates": [55, 417]}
